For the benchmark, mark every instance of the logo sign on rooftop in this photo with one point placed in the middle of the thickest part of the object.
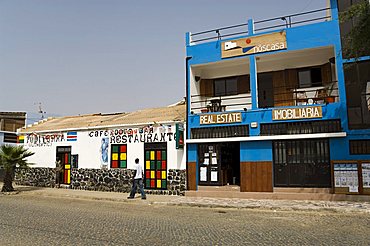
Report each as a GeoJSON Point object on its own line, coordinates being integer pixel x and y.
{"type": "Point", "coordinates": [252, 45]}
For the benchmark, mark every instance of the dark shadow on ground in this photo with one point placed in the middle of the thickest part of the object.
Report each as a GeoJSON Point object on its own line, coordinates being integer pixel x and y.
{"type": "Point", "coordinates": [19, 189]}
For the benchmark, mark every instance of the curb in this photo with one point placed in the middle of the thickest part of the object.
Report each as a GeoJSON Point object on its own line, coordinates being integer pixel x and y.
{"type": "Point", "coordinates": [204, 202]}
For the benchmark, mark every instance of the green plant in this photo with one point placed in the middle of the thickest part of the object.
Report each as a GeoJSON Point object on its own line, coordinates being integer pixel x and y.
{"type": "Point", "coordinates": [11, 157]}
{"type": "Point", "coordinates": [357, 42]}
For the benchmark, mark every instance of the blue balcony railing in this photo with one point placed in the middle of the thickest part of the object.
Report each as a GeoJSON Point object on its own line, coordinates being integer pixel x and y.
{"type": "Point", "coordinates": [276, 23]}
{"type": "Point", "coordinates": [282, 96]}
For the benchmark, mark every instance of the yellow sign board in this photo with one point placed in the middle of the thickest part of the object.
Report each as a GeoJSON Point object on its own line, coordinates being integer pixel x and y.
{"type": "Point", "coordinates": [254, 44]}
{"type": "Point", "coordinates": [220, 118]}
{"type": "Point", "coordinates": [297, 113]}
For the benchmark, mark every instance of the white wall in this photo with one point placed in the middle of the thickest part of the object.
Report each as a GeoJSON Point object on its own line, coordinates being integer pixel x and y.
{"type": "Point", "coordinates": [88, 148]}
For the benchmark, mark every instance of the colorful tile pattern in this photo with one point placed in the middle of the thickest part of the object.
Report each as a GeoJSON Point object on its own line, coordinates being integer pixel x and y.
{"type": "Point", "coordinates": [155, 169]}
{"type": "Point", "coordinates": [67, 168]}
{"type": "Point", "coordinates": [118, 156]}
{"type": "Point", "coordinates": [20, 139]}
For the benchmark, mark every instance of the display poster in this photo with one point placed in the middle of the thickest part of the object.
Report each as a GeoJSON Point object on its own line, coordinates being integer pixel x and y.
{"type": "Point", "coordinates": [214, 161]}
{"type": "Point", "coordinates": [214, 154]}
{"type": "Point", "coordinates": [206, 161]}
{"type": "Point", "coordinates": [346, 176]}
{"type": "Point", "coordinates": [206, 154]}
{"type": "Point", "coordinates": [203, 173]}
{"type": "Point", "coordinates": [214, 176]}
{"type": "Point", "coordinates": [366, 175]}
{"type": "Point", "coordinates": [179, 136]}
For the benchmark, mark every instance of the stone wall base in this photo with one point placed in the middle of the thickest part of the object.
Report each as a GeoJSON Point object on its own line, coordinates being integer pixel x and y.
{"type": "Point", "coordinates": [112, 180]}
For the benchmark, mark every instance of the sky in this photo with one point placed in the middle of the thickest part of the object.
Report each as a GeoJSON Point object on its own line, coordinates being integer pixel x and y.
{"type": "Point", "coordinates": [91, 56]}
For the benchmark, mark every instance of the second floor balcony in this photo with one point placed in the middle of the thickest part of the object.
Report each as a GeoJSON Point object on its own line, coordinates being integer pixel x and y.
{"type": "Point", "coordinates": [293, 78]}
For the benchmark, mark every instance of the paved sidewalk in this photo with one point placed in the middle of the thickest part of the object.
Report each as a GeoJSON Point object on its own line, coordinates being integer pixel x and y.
{"type": "Point", "coordinates": [281, 205]}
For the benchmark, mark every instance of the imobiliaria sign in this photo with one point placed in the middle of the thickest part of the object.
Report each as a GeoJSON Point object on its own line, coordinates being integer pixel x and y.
{"type": "Point", "coordinates": [254, 44]}
{"type": "Point", "coordinates": [297, 113]}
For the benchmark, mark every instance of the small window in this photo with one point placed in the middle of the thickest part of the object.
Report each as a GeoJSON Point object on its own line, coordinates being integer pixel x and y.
{"type": "Point", "coordinates": [74, 159]}
{"type": "Point", "coordinates": [309, 77]}
{"type": "Point", "coordinates": [220, 87]}
{"type": "Point", "coordinates": [359, 147]}
{"type": "Point", "coordinates": [231, 86]}
{"type": "Point", "coordinates": [228, 86]}
{"type": "Point", "coordinates": [118, 156]}
{"type": "Point", "coordinates": [10, 138]}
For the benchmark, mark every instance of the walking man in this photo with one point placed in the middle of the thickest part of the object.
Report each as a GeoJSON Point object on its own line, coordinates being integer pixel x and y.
{"type": "Point", "coordinates": [138, 180]}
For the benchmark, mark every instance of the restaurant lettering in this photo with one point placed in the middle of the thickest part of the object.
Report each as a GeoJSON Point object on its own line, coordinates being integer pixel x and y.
{"type": "Point", "coordinates": [114, 132]}
{"type": "Point", "coordinates": [143, 138]}
{"type": "Point", "coordinates": [297, 113]}
{"type": "Point", "coordinates": [220, 118]}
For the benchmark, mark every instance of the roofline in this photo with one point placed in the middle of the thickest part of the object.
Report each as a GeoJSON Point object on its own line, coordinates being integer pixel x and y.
{"type": "Point", "coordinates": [98, 127]}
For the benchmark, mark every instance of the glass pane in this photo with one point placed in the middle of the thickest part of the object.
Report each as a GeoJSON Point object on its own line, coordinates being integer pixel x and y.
{"type": "Point", "coordinates": [114, 164]}
{"type": "Point", "coordinates": [304, 78]}
{"type": "Point", "coordinates": [316, 77]}
{"type": "Point", "coordinates": [164, 183]}
{"type": "Point", "coordinates": [123, 164]}
{"type": "Point", "coordinates": [147, 166]}
{"type": "Point", "coordinates": [115, 149]}
{"type": "Point", "coordinates": [164, 167]}
{"type": "Point", "coordinates": [231, 86]}
{"type": "Point", "coordinates": [123, 148]}
{"type": "Point", "coordinates": [220, 87]}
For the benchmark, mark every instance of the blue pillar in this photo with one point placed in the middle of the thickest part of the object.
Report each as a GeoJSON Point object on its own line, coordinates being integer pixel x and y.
{"type": "Point", "coordinates": [187, 39]}
{"type": "Point", "coordinates": [252, 69]}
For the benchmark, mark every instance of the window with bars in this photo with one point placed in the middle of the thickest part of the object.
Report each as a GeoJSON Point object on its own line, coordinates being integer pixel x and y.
{"type": "Point", "coordinates": [302, 163]}
{"type": "Point", "coordinates": [359, 147]}
{"type": "Point", "coordinates": [220, 132]}
{"type": "Point", "coordinates": [118, 156]}
{"type": "Point", "coordinates": [302, 127]}
{"type": "Point", "coordinates": [156, 166]}
{"type": "Point", "coordinates": [10, 138]}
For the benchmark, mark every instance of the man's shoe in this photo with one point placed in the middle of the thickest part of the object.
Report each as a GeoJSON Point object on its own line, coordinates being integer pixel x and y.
{"type": "Point", "coordinates": [143, 198]}
{"type": "Point", "coordinates": [129, 197]}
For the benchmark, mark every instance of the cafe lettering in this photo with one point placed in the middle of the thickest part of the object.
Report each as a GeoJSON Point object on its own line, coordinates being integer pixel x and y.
{"type": "Point", "coordinates": [220, 118]}
{"type": "Point", "coordinates": [297, 113]}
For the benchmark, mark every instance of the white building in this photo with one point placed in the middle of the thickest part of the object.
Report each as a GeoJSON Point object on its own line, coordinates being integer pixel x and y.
{"type": "Point", "coordinates": [111, 142]}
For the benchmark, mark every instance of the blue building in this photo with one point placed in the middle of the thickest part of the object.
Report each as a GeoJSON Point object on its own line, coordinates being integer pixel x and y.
{"type": "Point", "coordinates": [273, 104]}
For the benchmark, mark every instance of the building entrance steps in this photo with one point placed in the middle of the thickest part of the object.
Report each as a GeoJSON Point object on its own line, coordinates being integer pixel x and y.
{"type": "Point", "coordinates": [231, 191]}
